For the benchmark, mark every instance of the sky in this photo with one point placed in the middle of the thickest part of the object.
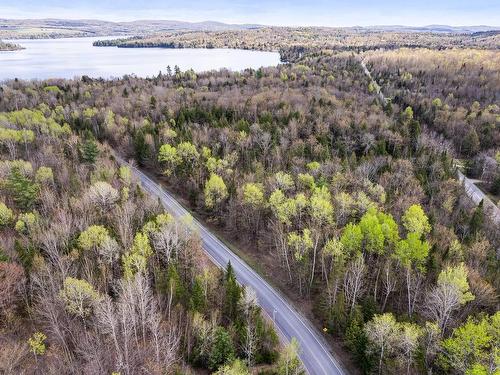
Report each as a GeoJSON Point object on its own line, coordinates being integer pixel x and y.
{"type": "Point", "coordinates": [267, 12]}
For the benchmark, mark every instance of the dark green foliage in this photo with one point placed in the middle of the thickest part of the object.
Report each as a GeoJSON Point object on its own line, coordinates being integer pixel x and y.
{"type": "Point", "coordinates": [22, 188]}
{"type": "Point", "coordinates": [495, 186]}
{"type": "Point", "coordinates": [267, 341]}
{"type": "Point", "coordinates": [141, 148]}
{"type": "Point", "coordinates": [89, 151]}
{"type": "Point", "coordinates": [197, 300]}
{"type": "Point", "coordinates": [3, 256]}
{"type": "Point", "coordinates": [477, 219]}
{"type": "Point", "coordinates": [233, 294]}
{"type": "Point", "coordinates": [26, 253]}
{"type": "Point", "coordinates": [222, 350]}
{"type": "Point", "coordinates": [357, 341]}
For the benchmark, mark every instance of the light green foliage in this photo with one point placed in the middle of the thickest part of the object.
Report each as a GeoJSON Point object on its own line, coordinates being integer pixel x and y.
{"type": "Point", "coordinates": [412, 251]}
{"type": "Point", "coordinates": [124, 193]}
{"type": "Point", "coordinates": [352, 239]}
{"type": "Point", "coordinates": [133, 263]}
{"type": "Point", "coordinates": [93, 237]}
{"type": "Point", "coordinates": [334, 248]}
{"type": "Point", "coordinates": [321, 206]}
{"type": "Point", "coordinates": [253, 194]}
{"type": "Point", "coordinates": [363, 202]}
{"type": "Point", "coordinates": [169, 134]}
{"type": "Point", "coordinates": [169, 157]}
{"type": "Point", "coordinates": [23, 166]}
{"type": "Point", "coordinates": [376, 192]}
{"type": "Point", "coordinates": [89, 112]}
{"type": "Point", "coordinates": [109, 119]}
{"type": "Point", "coordinates": [141, 245]}
{"type": "Point", "coordinates": [284, 181]}
{"type": "Point", "coordinates": [373, 234]}
{"type": "Point", "coordinates": [25, 222]}
{"type": "Point", "coordinates": [6, 214]}
{"type": "Point", "coordinates": [289, 362]}
{"type": "Point", "coordinates": [37, 343]}
{"type": "Point", "coordinates": [125, 174]}
{"type": "Point", "coordinates": [437, 103]}
{"type": "Point", "coordinates": [456, 277]}
{"type": "Point", "coordinates": [79, 297]}
{"type": "Point", "coordinates": [300, 244]}
{"type": "Point", "coordinates": [44, 176]}
{"type": "Point", "coordinates": [472, 347]}
{"type": "Point", "coordinates": [157, 223]}
{"type": "Point", "coordinates": [407, 76]}
{"type": "Point", "coordinates": [408, 113]}
{"type": "Point", "coordinates": [215, 191]}
{"type": "Point", "coordinates": [306, 181]}
{"type": "Point", "coordinates": [283, 208]}
{"type": "Point", "coordinates": [238, 367]}
{"type": "Point", "coordinates": [188, 153]}
{"type": "Point", "coordinates": [389, 228]}
{"type": "Point", "coordinates": [135, 260]}
{"type": "Point", "coordinates": [54, 89]}
{"type": "Point", "coordinates": [300, 201]}
{"type": "Point", "coordinates": [415, 220]}
{"type": "Point", "coordinates": [36, 121]}
{"type": "Point", "coordinates": [313, 166]}
{"type": "Point", "coordinates": [16, 136]}
{"type": "Point", "coordinates": [206, 152]}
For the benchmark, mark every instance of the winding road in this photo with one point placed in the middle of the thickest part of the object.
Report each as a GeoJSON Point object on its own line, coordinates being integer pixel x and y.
{"type": "Point", "coordinates": [314, 351]}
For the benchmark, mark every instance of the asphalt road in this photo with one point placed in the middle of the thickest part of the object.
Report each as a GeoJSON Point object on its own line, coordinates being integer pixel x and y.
{"type": "Point", "coordinates": [315, 353]}
{"type": "Point", "coordinates": [472, 191]}
{"type": "Point", "coordinates": [477, 195]}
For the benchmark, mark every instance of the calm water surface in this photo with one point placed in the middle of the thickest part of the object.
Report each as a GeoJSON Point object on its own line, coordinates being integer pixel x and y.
{"type": "Point", "coordinates": [73, 57]}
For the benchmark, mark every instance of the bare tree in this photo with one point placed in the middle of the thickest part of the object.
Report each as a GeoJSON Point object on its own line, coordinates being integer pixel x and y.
{"type": "Point", "coordinates": [354, 280]}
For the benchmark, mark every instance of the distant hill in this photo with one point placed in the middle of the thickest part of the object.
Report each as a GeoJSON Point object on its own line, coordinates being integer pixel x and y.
{"type": "Point", "coordinates": [435, 29]}
{"type": "Point", "coordinates": [60, 28]}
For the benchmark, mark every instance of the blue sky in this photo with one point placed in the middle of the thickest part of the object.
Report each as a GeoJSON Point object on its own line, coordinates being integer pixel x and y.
{"type": "Point", "coordinates": [270, 12]}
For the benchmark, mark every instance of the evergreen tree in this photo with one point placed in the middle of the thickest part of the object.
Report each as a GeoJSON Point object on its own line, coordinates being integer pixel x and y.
{"type": "Point", "coordinates": [141, 148]}
{"type": "Point", "coordinates": [233, 293]}
{"type": "Point", "coordinates": [197, 300]}
{"type": "Point", "coordinates": [23, 190]}
{"type": "Point", "coordinates": [222, 350]}
{"type": "Point", "coordinates": [477, 219]}
{"type": "Point", "coordinates": [89, 151]}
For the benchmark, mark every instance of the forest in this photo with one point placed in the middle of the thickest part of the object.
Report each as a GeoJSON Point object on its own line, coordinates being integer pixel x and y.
{"type": "Point", "coordinates": [9, 46]}
{"type": "Point", "coordinates": [352, 205]}
{"type": "Point", "coordinates": [293, 42]}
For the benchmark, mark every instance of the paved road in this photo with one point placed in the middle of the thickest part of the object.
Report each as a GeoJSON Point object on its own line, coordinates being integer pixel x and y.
{"type": "Point", "coordinates": [477, 195]}
{"type": "Point", "coordinates": [315, 353]}
{"type": "Point", "coordinates": [472, 191]}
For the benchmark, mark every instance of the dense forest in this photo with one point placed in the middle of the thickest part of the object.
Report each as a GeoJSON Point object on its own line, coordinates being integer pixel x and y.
{"type": "Point", "coordinates": [454, 93]}
{"type": "Point", "coordinates": [294, 42]}
{"type": "Point", "coordinates": [9, 46]}
{"type": "Point", "coordinates": [353, 207]}
{"type": "Point", "coordinates": [96, 278]}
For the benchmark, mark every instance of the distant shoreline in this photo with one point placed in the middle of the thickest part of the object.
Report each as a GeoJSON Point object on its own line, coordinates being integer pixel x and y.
{"type": "Point", "coordinates": [7, 47]}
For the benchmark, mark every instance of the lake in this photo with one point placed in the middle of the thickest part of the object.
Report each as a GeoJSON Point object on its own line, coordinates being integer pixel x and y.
{"type": "Point", "coordinates": [73, 57]}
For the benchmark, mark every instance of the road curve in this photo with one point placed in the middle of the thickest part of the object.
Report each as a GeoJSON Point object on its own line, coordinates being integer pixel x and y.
{"type": "Point", "coordinates": [315, 353]}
